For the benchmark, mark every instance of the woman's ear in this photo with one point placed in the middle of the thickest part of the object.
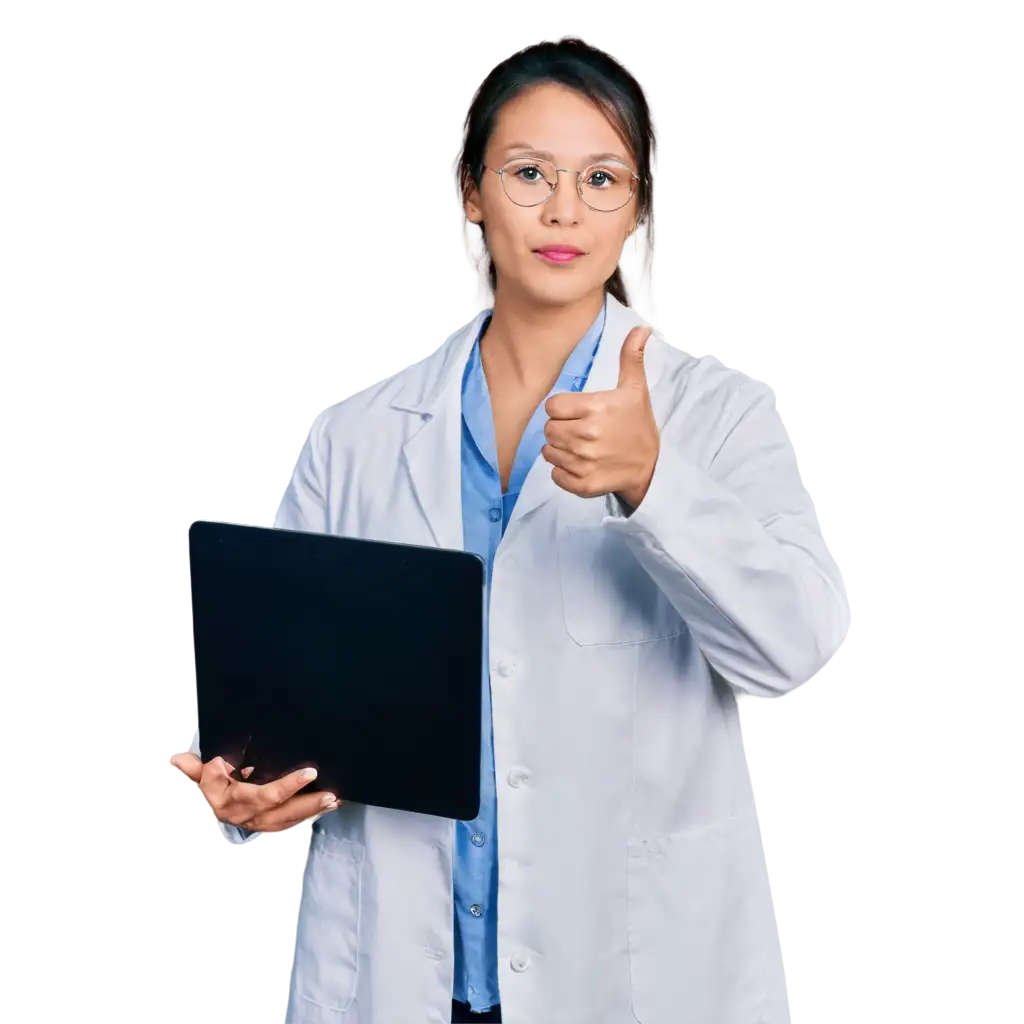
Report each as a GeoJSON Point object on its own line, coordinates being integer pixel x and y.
{"type": "Point", "coordinates": [471, 204]}
{"type": "Point", "coordinates": [474, 214]}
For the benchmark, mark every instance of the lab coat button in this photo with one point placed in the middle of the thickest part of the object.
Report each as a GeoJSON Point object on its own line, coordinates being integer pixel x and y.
{"type": "Point", "coordinates": [517, 776]}
{"type": "Point", "coordinates": [519, 962]}
{"type": "Point", "coordinates": [506, 668]}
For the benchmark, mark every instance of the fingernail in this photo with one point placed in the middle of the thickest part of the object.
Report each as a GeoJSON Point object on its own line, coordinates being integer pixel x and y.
{"type": "Point", "coordinates": [329, 800]}
{"type": "Point", "coordinates": [309, 773]}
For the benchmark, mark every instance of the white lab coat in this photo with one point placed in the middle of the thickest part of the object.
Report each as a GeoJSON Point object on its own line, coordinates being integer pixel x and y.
{"type": "Point", "coordinates": [632, 882]}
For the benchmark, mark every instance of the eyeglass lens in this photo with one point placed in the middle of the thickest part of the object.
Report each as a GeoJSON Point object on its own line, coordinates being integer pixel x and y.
{"type": "Point", "coordinates": [605, 186]}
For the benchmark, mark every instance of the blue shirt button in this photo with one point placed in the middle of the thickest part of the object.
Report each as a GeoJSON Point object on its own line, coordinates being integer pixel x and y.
{"type": "Point", "coordinates": [477, 839]}
{"type": "Point", "coordinates": [494, 514]}
{"type": "Point", "coordinates": [476, 910]}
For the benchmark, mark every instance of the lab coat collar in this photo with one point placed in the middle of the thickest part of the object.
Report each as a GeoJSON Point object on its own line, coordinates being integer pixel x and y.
{"type": "Point", "coordinates": [433, 389]}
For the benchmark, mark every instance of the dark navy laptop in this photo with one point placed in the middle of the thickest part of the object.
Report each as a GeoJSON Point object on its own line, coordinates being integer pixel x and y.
{"type": "Point", "coordinates": [361, 658]}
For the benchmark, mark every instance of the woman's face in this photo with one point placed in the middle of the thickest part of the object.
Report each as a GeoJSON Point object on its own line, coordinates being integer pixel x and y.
{"type": "Point", "coordinates": [551, 119]}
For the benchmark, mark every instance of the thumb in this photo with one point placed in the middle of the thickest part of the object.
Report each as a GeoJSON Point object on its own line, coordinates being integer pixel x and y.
{"type": "Point", "coordinates": [631, 358]}
{"type": "Point", "coordinates": [184, 765]}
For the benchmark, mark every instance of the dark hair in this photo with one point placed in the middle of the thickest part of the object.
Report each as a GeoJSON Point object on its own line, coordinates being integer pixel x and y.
{"type": "Point", "coordinates": [591, 72]}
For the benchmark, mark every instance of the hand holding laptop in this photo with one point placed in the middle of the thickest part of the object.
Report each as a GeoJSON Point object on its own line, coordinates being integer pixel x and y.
{"type": "Point", "coordinates": [272, 807]}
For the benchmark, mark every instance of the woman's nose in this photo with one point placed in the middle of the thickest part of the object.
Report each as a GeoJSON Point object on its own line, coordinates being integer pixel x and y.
{"type": "Point", "coordinates": [564, 206]}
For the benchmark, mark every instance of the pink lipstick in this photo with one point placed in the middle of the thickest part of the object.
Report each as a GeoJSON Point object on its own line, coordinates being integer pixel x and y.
{"type": "Point", "coordinates": [558, 253]}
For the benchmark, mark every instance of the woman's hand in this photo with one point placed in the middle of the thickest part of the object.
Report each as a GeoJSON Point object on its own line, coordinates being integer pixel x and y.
{"type": "Point", "coordinates": [272, 807]}
{"type": "Point", "coordinates": [606, 442]}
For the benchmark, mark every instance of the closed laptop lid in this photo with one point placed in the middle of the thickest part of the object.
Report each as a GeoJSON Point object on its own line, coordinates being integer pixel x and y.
{"type": "Point", "coordinates": [361, 658]}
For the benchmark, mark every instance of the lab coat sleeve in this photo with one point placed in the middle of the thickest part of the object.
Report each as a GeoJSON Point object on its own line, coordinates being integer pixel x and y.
{"type": "Point", "coordinates": [304, 505]}
{"type": "Point", "coordinates": [738, 551]}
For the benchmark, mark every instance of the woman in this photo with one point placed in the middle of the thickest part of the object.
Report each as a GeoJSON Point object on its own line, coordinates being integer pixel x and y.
{"type": "Point", "coordinates": [658, 556]}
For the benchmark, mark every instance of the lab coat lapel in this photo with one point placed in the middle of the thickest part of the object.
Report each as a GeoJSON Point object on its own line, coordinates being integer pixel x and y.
{"type": "Point", "coordinates": [538, 487]}
{"type": "Point", "coordinates": [433, 455]}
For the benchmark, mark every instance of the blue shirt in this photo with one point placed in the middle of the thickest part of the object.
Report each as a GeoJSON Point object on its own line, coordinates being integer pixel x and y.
{"type": "Point", "coordinates": [485, 514]}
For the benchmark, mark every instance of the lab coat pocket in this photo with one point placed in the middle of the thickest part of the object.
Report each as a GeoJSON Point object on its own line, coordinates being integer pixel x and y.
{"type": "Point", "coordinates": [326, 964]}
{"type": "Point", "coordinates": [607, 596]}
{"type": "Point", "coordinates": [701, 928]}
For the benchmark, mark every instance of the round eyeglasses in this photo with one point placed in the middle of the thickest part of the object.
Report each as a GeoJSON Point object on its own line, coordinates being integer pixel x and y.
{"type": "Point", "coordinates": [604, 186]}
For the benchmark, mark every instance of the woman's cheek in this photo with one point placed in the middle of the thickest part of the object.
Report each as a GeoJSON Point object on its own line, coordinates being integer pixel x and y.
{"type": "Point", "coordinates": [507, 243]}
{"type": "Point", "coordinates": [609, 262]}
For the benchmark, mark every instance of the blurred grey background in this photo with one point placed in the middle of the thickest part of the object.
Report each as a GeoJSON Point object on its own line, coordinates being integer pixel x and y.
{"type": "Point", "coordinates": [212, 220]}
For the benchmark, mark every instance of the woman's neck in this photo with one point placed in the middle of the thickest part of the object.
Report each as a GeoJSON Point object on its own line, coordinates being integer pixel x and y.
{"type": "Point", "coordinates": [525, 345]}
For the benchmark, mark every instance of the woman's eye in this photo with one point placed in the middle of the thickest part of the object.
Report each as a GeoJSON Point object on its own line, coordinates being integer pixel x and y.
{"type": "Point", "coordinates": [602, 179]}
{"type": "Point", "coordinates": [529, 173]}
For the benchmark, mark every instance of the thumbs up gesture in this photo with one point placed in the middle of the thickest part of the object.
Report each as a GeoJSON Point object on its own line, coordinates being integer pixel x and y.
{"type": "Point", "coordinates": [606, 442]}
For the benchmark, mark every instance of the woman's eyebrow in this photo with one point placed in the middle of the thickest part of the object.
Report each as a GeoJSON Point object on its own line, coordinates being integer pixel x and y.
{"type": "Point", "coordinates": [591, 158]}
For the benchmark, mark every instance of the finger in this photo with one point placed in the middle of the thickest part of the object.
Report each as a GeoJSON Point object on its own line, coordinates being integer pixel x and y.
{"type": "Point", "coordinates": [293, 811]}
{"type": "Point", "coordinates": [631, 358]}
{"type": "Point", "coordinates": [569, 405]}
{"type": "Point", "coordinates": [245, 772]}
{"type": "Point", "coordinates": [573, 484]}
{"type": "Point", "coordinates": [248, 799]}
{"type": "Point", "coordinates": [273, 794]}
{"type": "Point", "coordinates": [574, 464]}
{"type": "Point", "coordinates": [576, 435]}
{"type": "Point", "coordinates": [216, 781]}
{"type": "Point", "coordinates": [557, 435]}
{"type": "Point", "coordinates": [184, 765]}
{"type": "Point", "coordinates": [304, 808]}
{"type": "Point", "coordinates": [221, 768]}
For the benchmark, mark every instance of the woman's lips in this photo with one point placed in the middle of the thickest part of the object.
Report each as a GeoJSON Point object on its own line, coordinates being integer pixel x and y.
{"type": "Point", "coordinates": [557, 256]}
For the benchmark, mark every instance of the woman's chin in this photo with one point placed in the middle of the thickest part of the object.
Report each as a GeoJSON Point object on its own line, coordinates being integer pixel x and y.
{"type": "Point", "coordinates": [555, 286]}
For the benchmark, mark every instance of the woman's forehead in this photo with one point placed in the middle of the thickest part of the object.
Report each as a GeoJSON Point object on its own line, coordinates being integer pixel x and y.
{"type": "Point", "coordinates": [556, 123]}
